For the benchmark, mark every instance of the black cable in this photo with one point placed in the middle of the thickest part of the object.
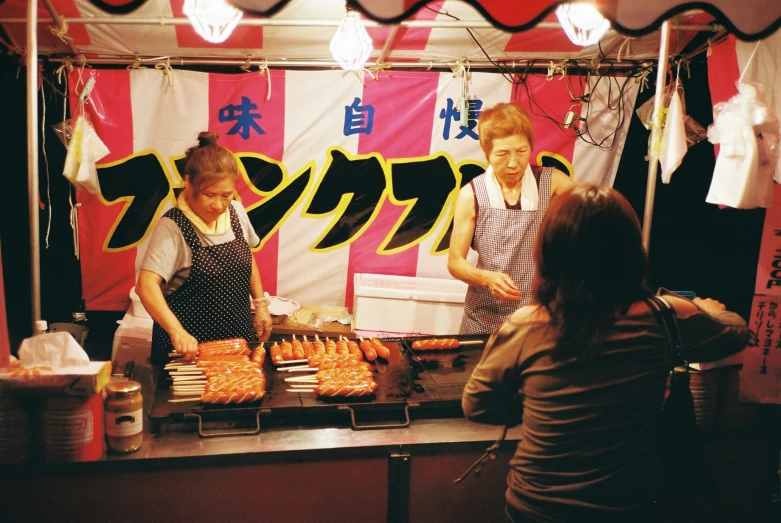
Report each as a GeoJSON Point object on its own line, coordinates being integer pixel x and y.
{"type": "Point", "coordinates": [585, 135]}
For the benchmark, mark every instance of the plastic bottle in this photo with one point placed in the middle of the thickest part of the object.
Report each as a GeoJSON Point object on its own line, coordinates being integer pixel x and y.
{"type": "Point", "coordinates": [41, 327]}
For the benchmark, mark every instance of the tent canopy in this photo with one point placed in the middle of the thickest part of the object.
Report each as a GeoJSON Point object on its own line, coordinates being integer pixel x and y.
{"type": "Point", "coordinates": [291, 33]}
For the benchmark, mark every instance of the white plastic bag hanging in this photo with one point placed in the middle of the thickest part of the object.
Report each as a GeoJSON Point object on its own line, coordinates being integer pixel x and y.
{"type": "Point", "coordinates": [85, 148]}
{"type": "Point", "coordinates": [748, 133]}
{"type": "Point", "coordinates": [673, 147]}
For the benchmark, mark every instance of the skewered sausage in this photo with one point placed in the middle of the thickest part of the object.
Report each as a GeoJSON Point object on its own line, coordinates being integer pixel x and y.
{"type": "Point", "coordinates": [214, 397]}
{"type": "Point", "coordinates": [298, 349]}
{"type": "Point", "coordinates": [309, 351]}
{"type": "Point", "coordinates": [319, 345]}
{"type": "Point", "coordinates": [343, 373]}
{"type": "Point", "coordinates": [204, 360]}
{"type": "Point", "coordinates": [330, 346]}
{"type": "Point", "coordinates": [329, 361]}
{"type": "Point", "coordinates": [276, 354]}
{"type": "Point", "coordinates": [382, 351]}
{"type": "Point", "coordinates": [337, 387]}
{"type": "Point", "coordinates": [353, 347]}
{"type": "Point", "coordinates": [368, 350]}
{"type": "Point", "coordinates": [227, 346]}
{"type": "Point", "coordinates": [436, 344]}
{"type": "Point", "coordinates": [287, 350]}
{"type": "Point", "coordinates": [341, 346]}
{"type": "Point", "coordinates": [259, 355]}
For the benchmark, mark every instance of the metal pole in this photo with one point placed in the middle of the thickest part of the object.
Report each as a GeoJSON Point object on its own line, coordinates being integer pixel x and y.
{"type": "Point", "coordinates": [32, 156]}
{"type": "Point", "coordinates": [539, 63]}
{"type": "Point", "coordinates": [303, 22]}
{"type": "Point", "coordinates": [653, 164]}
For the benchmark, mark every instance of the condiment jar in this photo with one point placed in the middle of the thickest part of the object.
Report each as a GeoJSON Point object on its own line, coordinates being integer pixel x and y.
{"type": "Point", "coordinates": [124, 416]}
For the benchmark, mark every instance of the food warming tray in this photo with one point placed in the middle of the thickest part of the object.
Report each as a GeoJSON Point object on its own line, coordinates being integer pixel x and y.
{"type": "Point", "coordinates": [411, 383]}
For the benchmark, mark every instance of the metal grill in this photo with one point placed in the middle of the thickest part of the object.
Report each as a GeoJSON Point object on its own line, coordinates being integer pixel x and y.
{"type": "Point", "coordinates": [449, 391]}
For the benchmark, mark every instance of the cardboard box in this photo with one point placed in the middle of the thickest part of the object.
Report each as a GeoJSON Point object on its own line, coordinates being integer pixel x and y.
{"type": "Point", "coordinates": [410, 305]}
{"type": "Point", "coordinates": [65, 381]}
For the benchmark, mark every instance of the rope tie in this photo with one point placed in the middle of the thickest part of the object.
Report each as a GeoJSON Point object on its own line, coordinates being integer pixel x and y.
{"type": "Point", "coordinates": [378, 68]}
{"type": "Point", "coordinates": [643, 79]}
{"type": "Point", "coordinates": [263, 70]}
{"type": "Point", "coordinates": [554, 69]}
{"type": "Point", "coordinates": [63, 70]}
{"type": "Point", "coordinates": [61, 33]}
{"type": "Point", "coordinates": [625, 47]}
{"type": "Point", "coordinates": [167, 71]}
{"type": "Point", "coordinates": [136, 62]}
{"type": "Point", "coordinates": [247, 64]}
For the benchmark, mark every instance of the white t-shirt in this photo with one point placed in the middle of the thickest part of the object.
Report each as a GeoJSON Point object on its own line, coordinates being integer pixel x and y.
{"type": "Point", "coordinates": [169, 256]}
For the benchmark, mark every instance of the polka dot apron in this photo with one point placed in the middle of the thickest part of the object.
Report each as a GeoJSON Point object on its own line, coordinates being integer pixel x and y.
{"type": "Point", "coordinates": [213, 302]}
{"type": "Point", "coordinates": [504, 240]}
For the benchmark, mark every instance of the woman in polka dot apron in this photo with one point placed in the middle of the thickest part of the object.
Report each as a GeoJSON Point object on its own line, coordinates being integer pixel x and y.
{"type": "Point", "coordinates": [498, 214]}
{"type": "Point", "coordinates": [198, 272]}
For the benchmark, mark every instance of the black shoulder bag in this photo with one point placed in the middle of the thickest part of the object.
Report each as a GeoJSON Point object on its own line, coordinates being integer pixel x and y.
{"type": "Point", "coordinates": [685, 471]}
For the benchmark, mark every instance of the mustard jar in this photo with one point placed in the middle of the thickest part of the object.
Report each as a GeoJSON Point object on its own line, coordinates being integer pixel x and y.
{"type": "Point", "coordinates": [124, 416]}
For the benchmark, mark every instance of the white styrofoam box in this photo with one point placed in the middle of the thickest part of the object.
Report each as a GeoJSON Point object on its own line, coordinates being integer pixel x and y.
{"type": "Point", "coordinates": [132, 339]}
{"type": "Point", "coordinates": [138, 308]}
{"type": "Point", "coordinates": [407, 304]}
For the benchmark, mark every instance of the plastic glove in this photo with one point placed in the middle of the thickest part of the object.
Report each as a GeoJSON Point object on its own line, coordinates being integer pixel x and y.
{"type": "Point", "coordinates": [262, 319]}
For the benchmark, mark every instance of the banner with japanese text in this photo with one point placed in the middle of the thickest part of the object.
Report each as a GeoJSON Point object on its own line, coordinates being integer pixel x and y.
{"type": "Point", "coordinates": [760, 377]}
{"type": "Point", "coordinates": [338, 177]}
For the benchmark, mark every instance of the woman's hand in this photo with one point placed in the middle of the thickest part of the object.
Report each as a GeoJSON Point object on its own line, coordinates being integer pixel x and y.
{"type": "Point", "coordinates": [709, 305]}
{"type": "Point", "coordinates": [184, 343]}
{"type": "Point", "coordinates": [262, 322]}
{"type": "Point", "coordinates": [502, 287]}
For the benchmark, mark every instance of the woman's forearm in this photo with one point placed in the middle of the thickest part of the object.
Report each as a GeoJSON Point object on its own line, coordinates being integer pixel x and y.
{"type": "Point", "coordinates": [152, 298]}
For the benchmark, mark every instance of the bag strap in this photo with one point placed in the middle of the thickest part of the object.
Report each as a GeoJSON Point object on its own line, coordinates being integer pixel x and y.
{"type": "Point", "coordinates": [665, 314]}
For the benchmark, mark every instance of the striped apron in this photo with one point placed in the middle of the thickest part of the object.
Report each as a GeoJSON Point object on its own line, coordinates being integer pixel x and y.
{"type": "Point", "coordinates": [504, 240]}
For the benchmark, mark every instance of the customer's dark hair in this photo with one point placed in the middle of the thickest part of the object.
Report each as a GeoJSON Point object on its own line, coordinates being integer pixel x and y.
{"type": "Point", "coordinates": [590, 264]}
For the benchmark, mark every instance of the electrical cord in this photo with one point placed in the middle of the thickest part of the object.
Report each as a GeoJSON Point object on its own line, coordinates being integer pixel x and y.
{"type": "Point", "coordinates": [520, 80]}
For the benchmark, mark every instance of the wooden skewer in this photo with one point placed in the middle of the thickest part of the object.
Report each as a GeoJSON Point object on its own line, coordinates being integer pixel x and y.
{"type": "Point", "coordinates": [189, 379]}
{"type": "Point", "coordinates": [471, 342]}
{"type": "Point", "coordinates": [182, 400]}
{"type": "Point", "coordinates": [288, 362]}
{"type": "Point", "coordinates": [296, 369]}
{"type": "Point", "coordinates": [185, 392]}
{"type": "Point", "coordinates": [300, 390]}
{"type": "Point", "coordinates": [193, 389]}
{"type": "Point", "coordinates": [301, 379]}
{"type": "Point", "coordinates": [303, 386]}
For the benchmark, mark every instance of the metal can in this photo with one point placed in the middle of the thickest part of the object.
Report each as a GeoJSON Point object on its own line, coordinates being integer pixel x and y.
{"type": "Point", "coordinates": [72, 429]}
{"type": "Point", "coordinates": [124, 416]}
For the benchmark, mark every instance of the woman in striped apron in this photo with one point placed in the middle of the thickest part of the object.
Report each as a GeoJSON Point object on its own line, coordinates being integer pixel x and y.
{"type": "Point", "coordinates": [498, 214]}
{"type": "Point", "coordinates": [198, 272]}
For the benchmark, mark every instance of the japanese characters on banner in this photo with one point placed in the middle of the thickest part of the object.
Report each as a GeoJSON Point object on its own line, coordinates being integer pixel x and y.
{"type": "Point", "coordinates": [338, 177]}
{"type": "Point", "coordinates": [760, 378]}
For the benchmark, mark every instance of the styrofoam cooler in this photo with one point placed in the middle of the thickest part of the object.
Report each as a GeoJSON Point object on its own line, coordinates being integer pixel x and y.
{"type": "Point", "coordinates": [409, 305]}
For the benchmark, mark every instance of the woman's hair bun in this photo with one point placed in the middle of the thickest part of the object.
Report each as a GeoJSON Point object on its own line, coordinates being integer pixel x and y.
{"type": "Point", "coordinates": [207, 138]}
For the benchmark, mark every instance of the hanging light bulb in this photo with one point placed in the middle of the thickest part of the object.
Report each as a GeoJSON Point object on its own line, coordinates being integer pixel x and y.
{"type": "Point", "coordinates": [351, 45]}
{"type": "Point", "coordinates": [214, 20]}
{"type": "Point", "coordinates": [582, 22]}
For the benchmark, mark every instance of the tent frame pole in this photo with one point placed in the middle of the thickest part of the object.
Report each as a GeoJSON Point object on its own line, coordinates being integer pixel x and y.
{"type": "Point", "coordinates": [32, 157]}
{"type": "Point", "coordinates": [653, 164]}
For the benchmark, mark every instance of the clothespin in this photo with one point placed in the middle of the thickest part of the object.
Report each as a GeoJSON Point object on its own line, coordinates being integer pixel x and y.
{"type": "Point", "coordinates": [87, 89]}
{"type": "Point", "coordinates": [247, 64]}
